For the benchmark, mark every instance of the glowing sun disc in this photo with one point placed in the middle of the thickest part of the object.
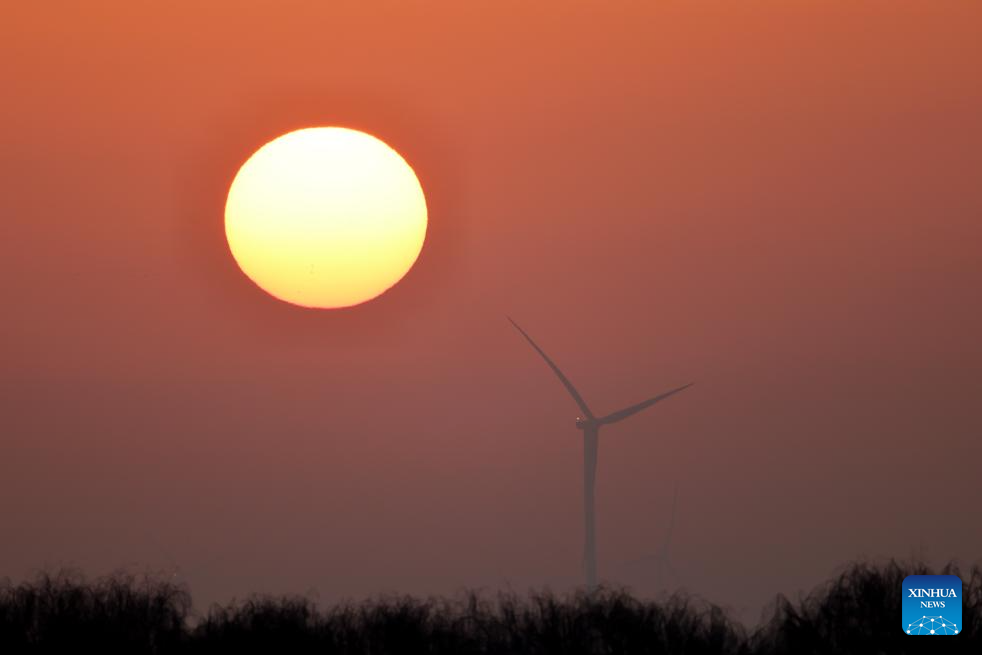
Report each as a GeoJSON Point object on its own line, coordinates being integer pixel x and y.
{"type": "Point", "coordinates": [325, 217]}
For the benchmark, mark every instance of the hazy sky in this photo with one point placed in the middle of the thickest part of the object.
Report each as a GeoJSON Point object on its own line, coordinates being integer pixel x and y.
{"type": "Point", "coordinates": [780, 201]}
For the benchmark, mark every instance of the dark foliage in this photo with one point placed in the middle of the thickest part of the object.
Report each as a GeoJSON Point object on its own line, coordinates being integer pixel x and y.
{"type": "Point", "coordinates": [608, 621]}
{"type": "Point", "coordinates": [62, 613]}
{"type": "Point", "coordinates": [858, 612]}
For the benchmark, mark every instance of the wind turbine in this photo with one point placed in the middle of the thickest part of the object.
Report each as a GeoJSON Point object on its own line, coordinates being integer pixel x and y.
{"type": "Point", "coordinates": [661, 556]}
{"type": "Point", "coordinates": [590, 426]}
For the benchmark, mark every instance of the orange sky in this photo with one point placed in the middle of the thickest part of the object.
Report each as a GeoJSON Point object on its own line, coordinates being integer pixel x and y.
{"type": "Point", "coordinates": [778, 200]}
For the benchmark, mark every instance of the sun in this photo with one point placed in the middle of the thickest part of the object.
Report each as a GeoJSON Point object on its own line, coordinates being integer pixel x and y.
{"type": "Point", "coordinates": [325, 217]}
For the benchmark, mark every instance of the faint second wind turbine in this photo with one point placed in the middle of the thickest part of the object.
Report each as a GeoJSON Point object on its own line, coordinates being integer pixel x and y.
{"type": "Point", "coordinates": [662, 557]}
{"type": "Point", "coordinates": [590, 425]}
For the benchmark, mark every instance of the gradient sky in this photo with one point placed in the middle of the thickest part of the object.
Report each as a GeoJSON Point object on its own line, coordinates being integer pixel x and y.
{"type": "Point", "coordinates": [778, 200]}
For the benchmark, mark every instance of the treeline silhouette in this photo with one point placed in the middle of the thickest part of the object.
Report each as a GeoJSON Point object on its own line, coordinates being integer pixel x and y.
{"type": "Point", "coordinates": [857, 612]}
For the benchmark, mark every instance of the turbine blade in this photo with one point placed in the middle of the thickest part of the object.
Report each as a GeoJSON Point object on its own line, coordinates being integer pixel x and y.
{"type": "Point", "coordinates": [634, 409]}
{"type": "Point", "coordinates": [555, 369]}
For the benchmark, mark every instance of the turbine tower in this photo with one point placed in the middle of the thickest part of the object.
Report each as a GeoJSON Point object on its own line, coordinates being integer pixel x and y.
{"type": "Point", "coordinates": [590, 426]}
